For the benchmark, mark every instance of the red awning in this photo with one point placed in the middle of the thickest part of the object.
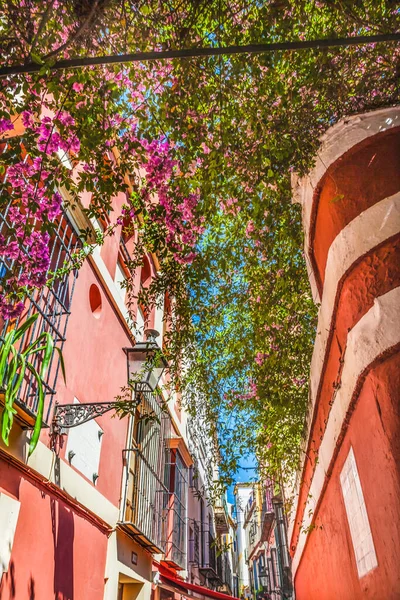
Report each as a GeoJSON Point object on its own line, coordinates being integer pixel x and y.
{"type": "Point", "coordinates": [199, 589]}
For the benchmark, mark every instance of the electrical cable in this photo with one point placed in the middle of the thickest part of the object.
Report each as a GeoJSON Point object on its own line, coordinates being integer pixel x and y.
{"type": "Point", "coordinates": [86, 61]}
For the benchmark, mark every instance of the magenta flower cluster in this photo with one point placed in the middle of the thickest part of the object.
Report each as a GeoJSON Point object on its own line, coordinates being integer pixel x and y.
{"type": "Point", "coordinates": [176, 213]}
{"type": "Point", "coordinates": [34, 202]}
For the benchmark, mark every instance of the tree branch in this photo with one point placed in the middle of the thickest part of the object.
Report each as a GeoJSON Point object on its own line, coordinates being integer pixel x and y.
{"type": "Point", "coordinates": [77, 34]}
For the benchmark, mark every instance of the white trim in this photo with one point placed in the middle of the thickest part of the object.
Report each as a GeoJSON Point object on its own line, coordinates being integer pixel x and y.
{"type": "Point", "coordinates": [377, 331]}
{"type": "Point", "coordinates": [335, 142]}
{"type": "Point", "coordinates": [367, 231]}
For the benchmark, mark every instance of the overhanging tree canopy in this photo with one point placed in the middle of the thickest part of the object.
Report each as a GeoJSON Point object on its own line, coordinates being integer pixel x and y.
{"type": "Point", "coordinates": [216, 139]}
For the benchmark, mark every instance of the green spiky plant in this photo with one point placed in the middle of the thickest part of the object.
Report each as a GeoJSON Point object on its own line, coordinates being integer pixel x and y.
{"type": "Point", "coordinates": [14, 364]}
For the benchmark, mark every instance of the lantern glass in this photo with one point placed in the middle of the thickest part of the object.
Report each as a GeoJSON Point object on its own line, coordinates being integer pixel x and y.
{"type": "Point", "coordinates": [263, 577]}
{"type": "Point", "coordinates": [146, 362]}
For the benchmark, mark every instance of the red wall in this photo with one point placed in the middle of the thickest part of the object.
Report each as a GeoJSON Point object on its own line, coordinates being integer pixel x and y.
{"type": "Point", "coordinates": [374, 435]}
{"type": "Point", "coordinates": [57, 554]}
{"type": "Point", "coordinates": [364, 175]}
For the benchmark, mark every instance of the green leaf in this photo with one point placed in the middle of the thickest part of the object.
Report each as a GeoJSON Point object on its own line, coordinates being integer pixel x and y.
{"type": "Point", "coordinates": [62, 364]}
{"type": "Point", "coordinates": [4, 354]}
{"type": "Point", "coordinates": [25, 326]}
{"type": "Point", "coordinates": [36, 58]}
{"type": "Point", "coordinates": [40, 409]}
{"type": "Point", "coordinates": [336, 198]}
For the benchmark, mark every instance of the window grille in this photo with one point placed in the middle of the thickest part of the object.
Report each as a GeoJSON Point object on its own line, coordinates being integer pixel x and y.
{"type": "Point", "coordinates": [194, 543]}
{"type": "Point", "coordinates": [274, 570]}
{"type": "Point", "coordinates": [177, 482]}
{"type": "Point", "coordinates": [53, 305]}
{"type": "Point", "coordinates": [212, 552]}
{"type": "Point", "coordinates": [145, 502]}
{"type": "Point", "coordinates": [253, 531]}
{"type": "Point", "coordinates": [226, 571]}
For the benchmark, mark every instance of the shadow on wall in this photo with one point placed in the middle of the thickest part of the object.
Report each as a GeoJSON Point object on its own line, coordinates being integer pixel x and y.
{"type": "Point", "coordinates": [8, 582]}
{"type": "Point", "coordinates": [63, 538]}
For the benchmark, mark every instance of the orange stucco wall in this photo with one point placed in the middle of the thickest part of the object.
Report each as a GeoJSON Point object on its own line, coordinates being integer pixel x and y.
{"type": "Point", "coordinates": [325, 567]}
{"type": "Point", "coordinates": [373, 434]}
{"type": "Point", "coordinates": [364, 175]}
{"type": "Point", "coordinates": [372, 276]}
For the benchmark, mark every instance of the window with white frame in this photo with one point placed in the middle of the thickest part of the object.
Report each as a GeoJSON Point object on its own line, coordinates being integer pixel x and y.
{"type": "Point", "coordinates": [120, 278]}
{"type": "Point", "coordinates": [357, 516]}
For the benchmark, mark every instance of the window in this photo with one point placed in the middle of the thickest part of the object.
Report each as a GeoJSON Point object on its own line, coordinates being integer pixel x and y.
{"type": "Point", "coordinates": [177, 483]}
{"type": "Point", "coordinates": [120, 277]}
{"type": "Point", "coordinates": [194, 475]}
{"type": "Point", "coordinates": [53, 305]}
{"type": "Point", "coordinates": [357, 517]}
{"type": "Point", "coordinates": [280, 534]}
{"type": "Point", "coordinates": [194, 542]}
{"type": "Point", "coordinates": [145, 495]}
{"type": "Point", "coordinates": [255, 575]}
{"type": "Point", "coordinates": [273, 569]}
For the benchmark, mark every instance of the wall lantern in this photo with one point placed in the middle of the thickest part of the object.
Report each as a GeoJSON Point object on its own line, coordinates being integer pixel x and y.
{"type": "Point", "coordinates": [146, 364]}
{"type": "Point", "coordinates": [264, 579]}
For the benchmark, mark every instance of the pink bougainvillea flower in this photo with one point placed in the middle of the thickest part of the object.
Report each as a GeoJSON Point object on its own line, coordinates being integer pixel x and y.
{"type": "Point", "coordinates": [77, 87]}
{"type": "Point", "coordinates": [6, 125]}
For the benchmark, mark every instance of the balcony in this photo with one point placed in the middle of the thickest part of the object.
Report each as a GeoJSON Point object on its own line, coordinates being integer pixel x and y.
{"type": "Point", "coordinates": [226, 574]}
{"type": "Point", "coordinates": [248, 511]}
{"type": "Point", "coordinates": [176, 473]}
{"type": "Point", "coordinates": [53, 305]}
{"type": "Point", "coordinates": [221, 517]}
{"type": "Point", "coordinates": [267, 515]}
{"type": "Point", "coordinates": [145, 514]}
{"type": "Point", "coordinates": [253, 534]}
{"type": "Point", "coordinates": [208, 564]}
{"type": "Point", "coordinates": [145, 503]}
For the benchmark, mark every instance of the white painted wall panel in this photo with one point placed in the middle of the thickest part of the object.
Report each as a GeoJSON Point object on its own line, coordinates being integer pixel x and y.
{"type": "Point", "coordinates": [357, 516]}
{"type": "Point", "coordinates": [85, 442]}
{"type": "Point", "coordinates": [119, 280]}
{"type": "Point", "coordinates": [9, 511]}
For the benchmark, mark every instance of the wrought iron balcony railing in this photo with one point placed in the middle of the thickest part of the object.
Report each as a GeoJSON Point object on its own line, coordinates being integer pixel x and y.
{"type": "Point", "coordinates": [267, 515]}
{"type": "Point", "coordinates": [145, 500]}
{"type": "Point", "coordinates": [176, 475]}
{"type": "Point", "coordinates": [194, 543]}
{"type": "Point", "coordinates": [226, 575]}
{"type": "Point", "coordinates": [53, 305]}
{"type": "Point", "coordinates": [221, 517]}
{"type": "Point", "coordinates": [249, 508]}
{"type": "Point", "coordinates": [211, 561]}
{"type": "Point", "coordinates": [254, 533]}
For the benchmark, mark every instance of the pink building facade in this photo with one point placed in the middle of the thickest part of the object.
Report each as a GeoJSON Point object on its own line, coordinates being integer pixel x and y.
{"type": "Point", "coordinates": [110, 506]}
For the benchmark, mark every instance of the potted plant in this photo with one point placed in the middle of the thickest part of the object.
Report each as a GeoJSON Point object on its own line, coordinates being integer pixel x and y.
{"type": "Point", "coordinates": [15, 364]}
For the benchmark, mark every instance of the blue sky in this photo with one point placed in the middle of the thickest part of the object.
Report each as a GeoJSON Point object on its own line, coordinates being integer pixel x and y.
{"type": "Point", "coordinates": [246, 472]}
